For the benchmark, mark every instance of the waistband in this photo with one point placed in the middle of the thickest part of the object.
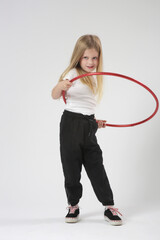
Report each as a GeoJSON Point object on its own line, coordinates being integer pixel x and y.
{"type": "Point", "coordinates": [79, 115]}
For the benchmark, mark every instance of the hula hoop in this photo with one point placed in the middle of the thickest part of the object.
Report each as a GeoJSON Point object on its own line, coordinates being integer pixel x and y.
{"type": "Point", "coordinates": [130, 79]}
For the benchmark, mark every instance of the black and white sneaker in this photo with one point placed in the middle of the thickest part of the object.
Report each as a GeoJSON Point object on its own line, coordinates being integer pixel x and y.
{"type": "Point", "coordinates": [111, 215]}
{"type": "Point", "coordinates": [73, 214]}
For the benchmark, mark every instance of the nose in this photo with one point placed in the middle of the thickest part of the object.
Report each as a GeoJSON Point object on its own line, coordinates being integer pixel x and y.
{"type": "Point", "coordinates": [90, 61]}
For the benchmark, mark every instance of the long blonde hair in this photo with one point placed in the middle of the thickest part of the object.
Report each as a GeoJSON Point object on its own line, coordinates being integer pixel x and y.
{"type": "Point", "coordinates": [83, 43]}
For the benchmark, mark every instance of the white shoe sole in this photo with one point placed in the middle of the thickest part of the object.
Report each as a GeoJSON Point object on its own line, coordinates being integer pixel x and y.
{"type": "Point", "coordinates": [114, 223]}
{"type": "Point", "coordinates": [72, 220]}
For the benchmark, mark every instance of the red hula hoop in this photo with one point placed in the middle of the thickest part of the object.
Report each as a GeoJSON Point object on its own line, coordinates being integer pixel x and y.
{"type": "Point", "coordinates": [128, 78]}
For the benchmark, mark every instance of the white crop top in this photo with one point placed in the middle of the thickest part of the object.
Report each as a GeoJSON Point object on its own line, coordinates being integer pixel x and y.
{"type": "Point", "coordinates": [79, 97]}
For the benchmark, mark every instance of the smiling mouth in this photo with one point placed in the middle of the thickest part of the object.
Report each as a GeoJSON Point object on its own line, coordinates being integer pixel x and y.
{"type": "Point", "coordinates": [90, 66]}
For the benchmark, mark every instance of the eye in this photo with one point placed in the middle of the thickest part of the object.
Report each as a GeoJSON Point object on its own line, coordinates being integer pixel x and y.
{"type": "Point", "coordinates": [95, 58]}
{"type": "Point", "coordinates": [85, 57]}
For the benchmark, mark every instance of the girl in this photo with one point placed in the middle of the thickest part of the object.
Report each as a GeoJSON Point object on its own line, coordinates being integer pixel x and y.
{"type": "Point", "coordinates": [78, 143]}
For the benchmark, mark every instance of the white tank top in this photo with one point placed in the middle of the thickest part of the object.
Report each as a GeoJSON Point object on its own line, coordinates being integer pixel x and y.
{"type": "Point", "coordinates": [79, 97]}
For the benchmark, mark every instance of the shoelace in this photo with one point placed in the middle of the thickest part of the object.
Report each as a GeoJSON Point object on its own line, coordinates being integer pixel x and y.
{"type": "Point", "coordinates": [72, 209]}
{"type": "Point", "coordinates": [114, 211]}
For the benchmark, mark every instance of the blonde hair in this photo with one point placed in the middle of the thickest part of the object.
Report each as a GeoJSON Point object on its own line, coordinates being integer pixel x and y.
{"type": "Point", "coordinates": [83, 43]}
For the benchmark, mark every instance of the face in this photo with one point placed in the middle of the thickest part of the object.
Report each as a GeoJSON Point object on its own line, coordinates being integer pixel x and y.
{"type": "Point", "coordinates": [89, 60]}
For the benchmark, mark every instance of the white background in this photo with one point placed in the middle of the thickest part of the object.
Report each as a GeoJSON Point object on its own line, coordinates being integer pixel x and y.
{"type": "Point", "coordinates": [37, 38]}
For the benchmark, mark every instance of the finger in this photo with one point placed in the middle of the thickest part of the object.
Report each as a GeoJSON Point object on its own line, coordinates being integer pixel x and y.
{"type": "Point", "coordinates": [69, 84]}
{"type": "Point", "coordinates": [101, 120]}
{"type": "Point", "coordinates": [104, 125]}
{"type": "Point", "coordinates": [100, 124]}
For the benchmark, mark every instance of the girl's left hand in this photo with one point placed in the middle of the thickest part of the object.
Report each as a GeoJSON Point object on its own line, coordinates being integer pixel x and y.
{"type": "Point", "coordinates": [101, 123]}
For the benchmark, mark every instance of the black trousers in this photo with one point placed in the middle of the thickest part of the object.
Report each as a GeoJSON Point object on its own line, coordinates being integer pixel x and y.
{"type": "Point", "coordinates": [78, 146]}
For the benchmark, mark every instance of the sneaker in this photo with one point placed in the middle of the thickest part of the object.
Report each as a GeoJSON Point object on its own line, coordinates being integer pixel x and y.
{"type": "Point", "coordinates": [111, 215]}
{"type": "Point", "coordinates": [73, 214]}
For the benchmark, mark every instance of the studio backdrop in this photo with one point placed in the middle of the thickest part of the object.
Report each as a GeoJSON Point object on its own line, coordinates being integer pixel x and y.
{"type": "Point", "coordinates": [36, 43]}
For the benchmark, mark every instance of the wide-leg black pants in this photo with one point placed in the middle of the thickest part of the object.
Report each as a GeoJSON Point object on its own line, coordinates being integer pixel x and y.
{"type": "Point", "coordinates": [78, 146]}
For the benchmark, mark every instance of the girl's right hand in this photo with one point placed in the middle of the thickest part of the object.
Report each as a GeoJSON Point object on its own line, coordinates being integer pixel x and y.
{"type": "Point", "coordinates": [65, 85]}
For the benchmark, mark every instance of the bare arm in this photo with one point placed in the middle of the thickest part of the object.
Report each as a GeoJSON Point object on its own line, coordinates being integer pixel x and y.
{"type": "Point", "coordinates": [61, 86]}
